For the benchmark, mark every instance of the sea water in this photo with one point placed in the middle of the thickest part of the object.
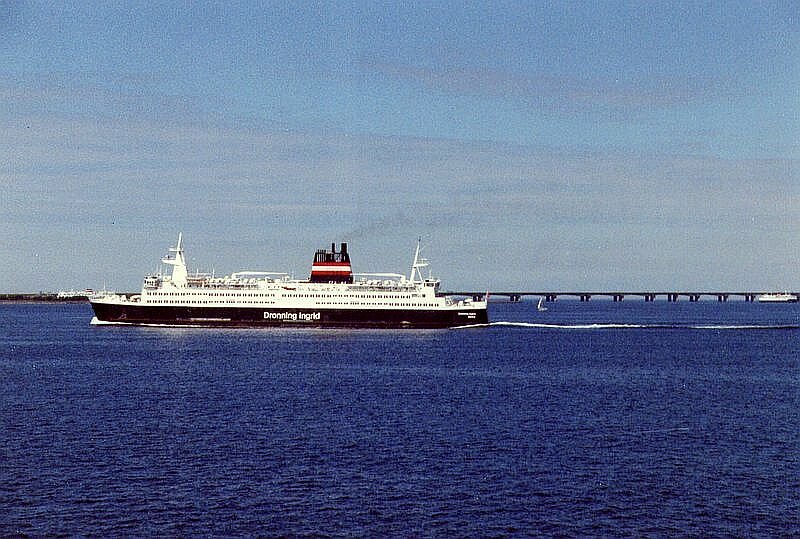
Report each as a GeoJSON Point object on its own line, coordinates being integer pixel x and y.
{"type": "Point", "coordinates": [588, 419]}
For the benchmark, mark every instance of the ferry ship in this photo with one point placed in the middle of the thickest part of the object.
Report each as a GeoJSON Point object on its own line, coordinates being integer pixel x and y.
{"type": "Point", "coordinates": [777, 297]}
{"type": "Point", "coordinates": [332, 296]}
{"type": "Point", "coordinates": [75, 294]}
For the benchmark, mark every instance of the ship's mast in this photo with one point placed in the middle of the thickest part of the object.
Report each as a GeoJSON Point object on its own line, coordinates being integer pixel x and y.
{"type": "Point", "coordinates": [177, 260]}
{"type": "Point", "coordinates": [419, 263]}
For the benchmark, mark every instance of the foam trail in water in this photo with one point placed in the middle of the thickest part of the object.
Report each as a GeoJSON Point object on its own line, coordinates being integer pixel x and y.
{"type": "Point", "coordinates": [97, 322]}
{"type": "Point", "coordinates": [785, 326]}
{"type": "Point", "coordinates": [627, 326]}
{"type": "Point", "coordinates": [568, 326]}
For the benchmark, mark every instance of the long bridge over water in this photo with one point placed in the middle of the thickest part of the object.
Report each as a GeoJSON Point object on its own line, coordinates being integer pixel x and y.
{"type": "Point", "coordinates": [648, 296]}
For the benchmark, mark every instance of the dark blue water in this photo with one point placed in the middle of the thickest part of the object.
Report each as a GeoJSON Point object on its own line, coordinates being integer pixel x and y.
{"type": "Point", "coordinates": [601, 419]}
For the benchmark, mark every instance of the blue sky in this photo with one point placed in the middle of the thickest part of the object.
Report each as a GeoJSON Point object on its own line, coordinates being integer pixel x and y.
{"type": "Point", "coordinates": [610, 145]}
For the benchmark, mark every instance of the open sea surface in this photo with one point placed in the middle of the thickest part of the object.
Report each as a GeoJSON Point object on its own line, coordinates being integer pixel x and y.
{"type": "Point", "coordinates": [590, 419]}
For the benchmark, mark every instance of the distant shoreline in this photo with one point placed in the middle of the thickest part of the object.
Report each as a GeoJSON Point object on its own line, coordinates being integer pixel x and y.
{"type": "Point", "coordinates": [41, 298]}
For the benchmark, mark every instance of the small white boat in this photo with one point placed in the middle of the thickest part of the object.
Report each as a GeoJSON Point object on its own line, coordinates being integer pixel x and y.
{"type": "Point", "coordinates": [778, 297]}
{"type": "Point", "coordinates": [540, 306]}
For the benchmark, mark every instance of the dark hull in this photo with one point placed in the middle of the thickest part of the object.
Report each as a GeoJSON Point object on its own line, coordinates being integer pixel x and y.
{"type": "Point", "coordinates": [138, 314]}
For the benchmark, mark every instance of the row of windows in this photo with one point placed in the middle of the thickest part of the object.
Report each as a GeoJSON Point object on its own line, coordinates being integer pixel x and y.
{"type": "Point", "coordinates": [350, 296]}
{"type": "Point", "coordinates": [404, 304]}
{"type": "Point", "coordinates": [217, 302]}
{"type": "Point", "coordinates": [212, 294]}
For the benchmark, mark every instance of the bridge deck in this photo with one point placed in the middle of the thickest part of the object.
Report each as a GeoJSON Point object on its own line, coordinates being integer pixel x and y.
{"type": "Point", "coordinates": [620, 295]}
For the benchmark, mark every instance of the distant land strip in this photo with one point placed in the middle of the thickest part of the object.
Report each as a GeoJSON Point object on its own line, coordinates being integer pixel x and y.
{"type": "Point", "coordinates": [47, 297]}
{"type": "Point", "coordinates": [43, 298]}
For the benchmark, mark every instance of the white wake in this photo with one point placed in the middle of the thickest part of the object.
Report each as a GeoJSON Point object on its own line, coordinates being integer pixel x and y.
{"type": "Point", "coordinates": [601, 326]}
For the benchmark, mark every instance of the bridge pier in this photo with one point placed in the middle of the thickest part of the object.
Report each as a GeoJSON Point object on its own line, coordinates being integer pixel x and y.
{"type": "Point", "coordinates": [514, 298]}
{"type": "Point", "coordinates": [722, 297]}
{"type": "Point", "coordinates": [549, 298]}
{"type": "Point", "coordinates": [619, 297]}
{"type": "Point", "coordinates": [672, 297]}
{"type": "Point", "coordinates": [750, 297]}
{"type": "Point", "coordinates": [585, 297]}
{"type": "Point", "coordinates": [650, 297]}
{"type": "Point", "coordinates": [694, 298]}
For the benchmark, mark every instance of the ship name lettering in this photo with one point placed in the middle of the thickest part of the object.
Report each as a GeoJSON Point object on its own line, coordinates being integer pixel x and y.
{"type": "Point", "coordinates": [292, 316]}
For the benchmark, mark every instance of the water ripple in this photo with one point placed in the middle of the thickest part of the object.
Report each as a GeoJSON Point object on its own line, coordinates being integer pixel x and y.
{"type": "Point", "coordinates": [627, 430]}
